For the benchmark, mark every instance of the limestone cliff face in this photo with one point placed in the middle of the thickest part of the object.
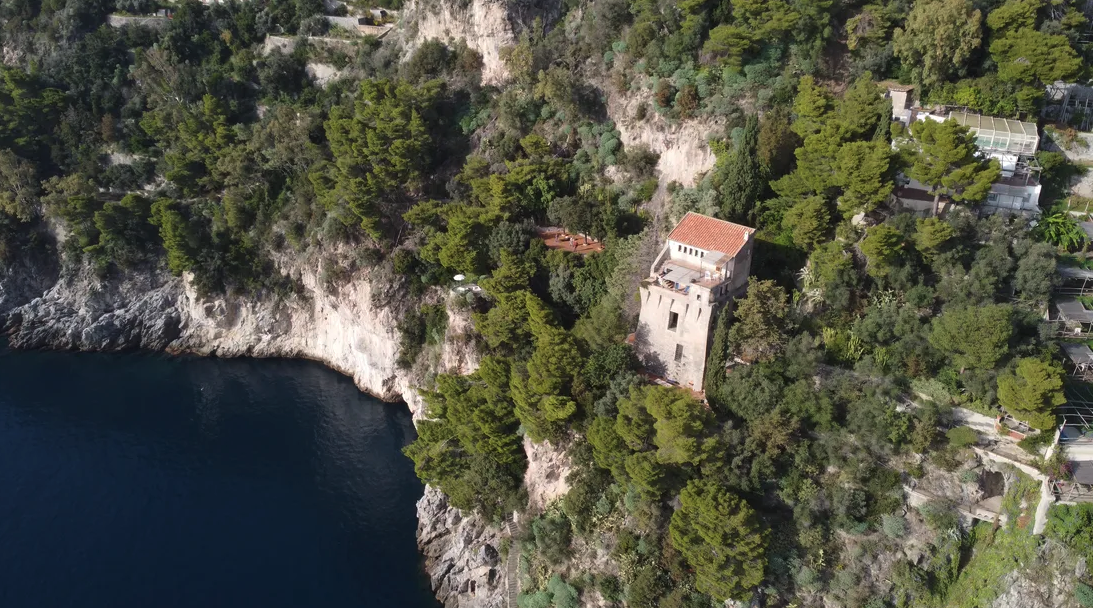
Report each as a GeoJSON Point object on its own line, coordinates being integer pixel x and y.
{"type": "Point", "coordinates": [684, 153]}
{"type": "Point", "coordinates": [344, 331]}
{"type": "Point", "coordinates": [545, 479]}
{"type": "Point", "coordinates": [150, 309]}
{"type": "Point", "coordinates": [487, 26]}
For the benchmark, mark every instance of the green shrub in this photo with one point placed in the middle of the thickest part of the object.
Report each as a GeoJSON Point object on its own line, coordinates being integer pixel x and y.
{"type": "Point", "coordinates": [564, 594]}
{"type": "Point", "coordinates": [539, 599]}
{"type": "Point", "coordinates": [627, 543]}
{"type": "Point", "coordinates": [426, 325]}
{"type": "Point", "coordinates": [947, 459]}
{"type": "Point", "coordinates": [585, 492]}
{"type": "Point", "coordinates": [552, 538]}
{"type": "Point", "coordinates": [940, 515]}
{"type": "Point", "coordinates": [1034, 444]}
{"type": "Point", "coordinates": [932, 389]}
{"type": "Point", "coordinates": [806, 577]}
{"type": "Point", "coordinates": [1073, 526]}
{"type": "Point", "coordinates": [648, 587]}
{"type": "Point", "coordinates": [404, 261]}
{"type": "Point", "coordinates": [894, 526]}
{"type": "Point", "coordinates": [430, 60]}
{"type": "Point", "coordinates": [1084, 594]}
{"type": "Point", "coordinates": [962, 437]}
{"type": "Point", "coordinates": [610, 588]}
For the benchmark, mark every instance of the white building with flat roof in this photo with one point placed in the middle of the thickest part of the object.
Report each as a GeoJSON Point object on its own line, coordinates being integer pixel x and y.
{"type": "Point", "coordinates": [1013, 143]}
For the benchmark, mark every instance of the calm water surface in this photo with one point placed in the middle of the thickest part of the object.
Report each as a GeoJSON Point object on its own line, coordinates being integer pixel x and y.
{"type": "Point", "coordinates": [146, 481]}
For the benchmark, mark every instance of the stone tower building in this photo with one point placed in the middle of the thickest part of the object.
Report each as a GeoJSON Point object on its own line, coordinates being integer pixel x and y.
{"type": "Point", "coordinates": [703, 266]}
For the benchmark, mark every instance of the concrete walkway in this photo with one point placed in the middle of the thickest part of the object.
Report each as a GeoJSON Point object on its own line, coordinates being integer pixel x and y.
{"type": "Point", "coordinates": [983, 511]}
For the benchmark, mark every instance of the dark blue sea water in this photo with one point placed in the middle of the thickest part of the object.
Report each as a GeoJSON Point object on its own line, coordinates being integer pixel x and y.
{"type": "Point", "coordinates": [142, 481]}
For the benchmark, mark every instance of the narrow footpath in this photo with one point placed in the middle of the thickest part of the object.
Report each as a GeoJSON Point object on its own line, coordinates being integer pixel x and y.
{"type": "Point", "coordinates": [512, 564]}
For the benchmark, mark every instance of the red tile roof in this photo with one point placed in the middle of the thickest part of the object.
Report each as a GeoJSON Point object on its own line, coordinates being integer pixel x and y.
{"type": "Point", "coordinates": [710, 234]}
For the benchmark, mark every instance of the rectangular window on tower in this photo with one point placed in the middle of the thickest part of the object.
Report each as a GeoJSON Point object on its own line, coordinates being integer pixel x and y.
{"type": "Point", "coordinates": [673, 320]}
{"type": "Point", "coordinates": [679, 353]}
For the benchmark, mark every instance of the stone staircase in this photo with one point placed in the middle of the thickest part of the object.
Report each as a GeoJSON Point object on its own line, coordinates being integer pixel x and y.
{"type": "Point", "coordinates": [512, 564]}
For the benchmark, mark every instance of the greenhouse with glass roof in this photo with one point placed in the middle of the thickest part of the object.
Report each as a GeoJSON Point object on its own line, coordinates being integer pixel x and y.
{"type": "Point", "coordinates": [1000, 135]}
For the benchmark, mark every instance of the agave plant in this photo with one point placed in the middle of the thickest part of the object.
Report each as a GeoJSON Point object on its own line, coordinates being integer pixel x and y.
{"type": "Point", "coordinates": [884, 297]}
{"type": "Point", "coordinates": [1061, 230]}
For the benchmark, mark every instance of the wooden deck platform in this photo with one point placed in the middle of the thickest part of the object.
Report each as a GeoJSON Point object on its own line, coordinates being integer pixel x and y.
{"type": "Point", "coordinates": [555, 238]}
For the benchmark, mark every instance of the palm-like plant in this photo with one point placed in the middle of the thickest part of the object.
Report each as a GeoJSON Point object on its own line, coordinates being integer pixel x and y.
{"type": "Point", "coordinates": [1061, 230]}
{"type": "Point", "coordinates": [811, 294]}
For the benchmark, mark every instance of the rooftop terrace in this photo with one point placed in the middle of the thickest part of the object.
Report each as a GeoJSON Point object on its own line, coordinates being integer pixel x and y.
{"type": "Point", "coordinates": [680, 275]}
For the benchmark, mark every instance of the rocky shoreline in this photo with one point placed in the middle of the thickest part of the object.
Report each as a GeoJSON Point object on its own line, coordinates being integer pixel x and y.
{"type": "Point", "coordinates": [151, 310]}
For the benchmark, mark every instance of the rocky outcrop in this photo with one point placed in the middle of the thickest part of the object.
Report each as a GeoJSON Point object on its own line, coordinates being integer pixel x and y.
{"type": "Point", "coordinates": [343, 328]}
{"type": "Point", "coordinates": [462, 555]}
{"type": "Point", "coordinates": [23, 281]}
{"type": "Point", "coordinates": [84, 312]}
{"type": "Point", "coordinates": [682, 145]}
{"type": "Point", "coordinates": [545, 479]}
{"type": "Point", "coordinates": [1048, 583]}
{"type": "Point", "coordinates": [487, 26]}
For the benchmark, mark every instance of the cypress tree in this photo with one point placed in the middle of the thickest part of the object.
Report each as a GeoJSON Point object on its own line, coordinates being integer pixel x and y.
{"type": "Point", "coordinates": [744, 177]}
{"type": "Point", "coordinates": [719, 355]}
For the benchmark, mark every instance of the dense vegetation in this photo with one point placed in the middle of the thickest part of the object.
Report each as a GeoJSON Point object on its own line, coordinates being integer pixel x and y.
{"type": "Point", "coordinates": [191, 149]}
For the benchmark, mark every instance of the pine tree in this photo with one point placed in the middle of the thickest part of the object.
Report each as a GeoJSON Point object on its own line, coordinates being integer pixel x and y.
{"type": "Point", "coordinates": [863, 110]}
{"type": "Point", "coordinates": [808, 221]}
{"type": "Point", "coordinates": [1032, 391]}
{"type": "Point", "coordinates": [19, 187]}
{"type": "Point", "coordinates": [761, 318]}
{"type": "Point", "coordinates": [1029, 56]}
{"type": "Point", "coordinates": [381, 148]}
{"type": "Point", "coordinates": [720, 537]}
{"type": "Point", "coordinates": [810, 107]}
{"type": "Point", "coordinates": [931, 234]}
{"type": "Point", "coordinates": [938, 38]}
{"type": "Point", "coordinates": [864, 171]}
{"type": "Point", "coordinates": [947, 162]}
{"type": "Point", "coordinates": [973, 336]}
{"type": "Point", "coordinates": [681, 424]}
{"type": "Point", "coordinates": [468, 444]}
{"type": "Point", "coordinates": [882, 246]}
{"type": "Point", "coordinates": [542, 392]}
{"type": "Point", "coordinates": [634, 424]}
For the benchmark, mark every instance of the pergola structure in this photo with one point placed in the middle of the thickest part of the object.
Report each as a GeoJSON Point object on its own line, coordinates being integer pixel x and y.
{"type": "Point", "coordinates": [1072, 490]}
{"type": "Point", "coordinates": [1065, 100]}
{"type": "Point", "coordinates": [1078, 409]}
{"type": "Point", "coordinates": [1076, 437]}
{"type": "Point", "coordinates": [1081, 360]}
{"type": "Point", "coordinates": [1076, 281]}
{"type": "Point", "coordinates": [1070, 318]}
